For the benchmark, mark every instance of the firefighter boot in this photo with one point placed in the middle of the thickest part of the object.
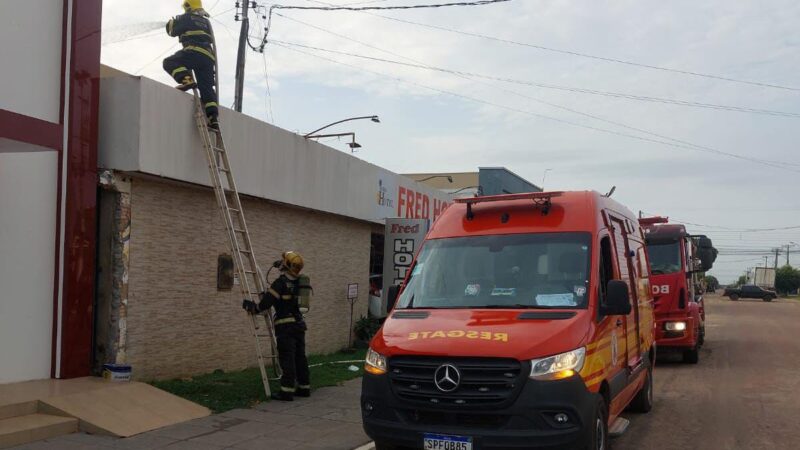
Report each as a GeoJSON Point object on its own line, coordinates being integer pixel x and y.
{"type": "Point", "coordinates": [213, 123]}
{"type": "Point", "coordinates": [187, 83]}
{"type": "Point", "coordinates": [303, 392]}
{"type": "Point", "coordinates": [283, 396]}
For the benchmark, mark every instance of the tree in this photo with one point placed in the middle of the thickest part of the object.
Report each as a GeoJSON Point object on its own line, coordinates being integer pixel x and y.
{"type": "Point", "coordinates": [712, 284]}
{"type": "Point", "coordinates": [742, 280]}
{"type": "Point", "coordinates": [787, 279]}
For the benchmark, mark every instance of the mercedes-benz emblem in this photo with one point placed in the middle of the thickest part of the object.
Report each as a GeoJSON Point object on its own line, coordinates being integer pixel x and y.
{"type": "Point", "coordinates": [447, 378]}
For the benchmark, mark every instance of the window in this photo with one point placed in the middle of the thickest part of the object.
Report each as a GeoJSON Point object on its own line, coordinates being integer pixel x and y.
{"type": "Point", "coordinates": [544, 270]}
{"type": "Point", "coordinates": [606, 266]}
{"type": "Point", "coordinates": [665, 257]}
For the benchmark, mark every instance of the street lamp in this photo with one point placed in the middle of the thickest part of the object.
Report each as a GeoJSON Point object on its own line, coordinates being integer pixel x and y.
{"type": "Point", "coordinates": [449, 178]}
{"type": "Point", "coordinates": [372, 118]}
{"type": "Point", "coordinates": [352, 144]}
{"type": "Point", "coordinates": [479, 193]}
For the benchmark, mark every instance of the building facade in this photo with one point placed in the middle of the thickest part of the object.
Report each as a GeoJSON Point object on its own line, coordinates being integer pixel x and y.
{"type": "Point", "coordinates": [486, 181]}
{"type": "Point", "coordinates": [160, 307]}
{"type": "Point", "coordinates": [48, 178]}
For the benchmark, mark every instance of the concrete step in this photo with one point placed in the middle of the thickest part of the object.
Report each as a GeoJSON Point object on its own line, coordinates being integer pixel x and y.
{"type": "Point", "coordinates": [18, 409]}
{"type": "Point", "coordinates": [34, 427]}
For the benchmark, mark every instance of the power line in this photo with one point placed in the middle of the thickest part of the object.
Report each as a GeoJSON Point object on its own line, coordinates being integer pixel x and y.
{"type": "Point", "coordinates": [517, 93]}
{"type": "Point", "coordinates": [565, 88]}
{"type": "Point", "coordinates": [530, 113]}
{"type": "Point", "coordinates": [269, 93]}
{"type": "Point", "coordinates": [675, 142]}
{"type": "Point", "coordinates": [332, 7]}
{"type": "Point", "coordinates": [586, 55]}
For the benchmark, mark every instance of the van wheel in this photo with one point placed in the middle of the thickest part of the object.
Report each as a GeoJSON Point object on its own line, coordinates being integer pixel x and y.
{"type": "Point", "coordinates": [767, 298]}
{"type": "Point", "coordinates": [598, 439]}
{"type": "Point", "coordinates": [691, 356]}
{"type": "Point", "coordinates": [734, 297]}
{"type": "Point", "coordinates": [643, 402]}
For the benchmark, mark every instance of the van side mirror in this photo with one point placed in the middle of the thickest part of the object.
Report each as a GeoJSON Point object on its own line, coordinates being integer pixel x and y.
{"type": "Point", "coordinates": [391, 297]}
{"type": "Point", "coordinates": [617, 301]}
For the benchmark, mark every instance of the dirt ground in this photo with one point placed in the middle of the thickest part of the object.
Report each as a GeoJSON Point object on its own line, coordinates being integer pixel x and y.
{"type": "Point", "coordinates": [743, 394]}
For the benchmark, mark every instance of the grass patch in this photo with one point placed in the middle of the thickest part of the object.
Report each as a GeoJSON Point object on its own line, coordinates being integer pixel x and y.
{"type": "Point", "coordinates": [222, 391]}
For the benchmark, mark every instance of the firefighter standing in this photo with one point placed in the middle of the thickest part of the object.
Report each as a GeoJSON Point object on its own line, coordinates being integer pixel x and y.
{"type": "Point", "coordinates": [290, 328]}
{"type": "Point", "coordinates": [193, 29]}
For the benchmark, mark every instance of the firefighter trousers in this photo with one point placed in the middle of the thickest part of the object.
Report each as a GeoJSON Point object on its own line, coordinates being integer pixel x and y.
{"type": "Point", "coordinates": [183, 63]}
{"type": "Point", "coordinates": [292, 356]}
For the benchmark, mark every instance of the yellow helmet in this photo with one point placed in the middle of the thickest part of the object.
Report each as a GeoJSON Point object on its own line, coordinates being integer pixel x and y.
{"type": "Point", "coordinates": [292, 263]}
{"type": "Point", "coordinates": [192, 5]}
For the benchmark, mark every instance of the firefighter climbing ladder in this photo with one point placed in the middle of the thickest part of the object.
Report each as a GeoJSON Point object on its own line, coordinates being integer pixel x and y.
{"type": "Point", "coordinates": [250, 276]}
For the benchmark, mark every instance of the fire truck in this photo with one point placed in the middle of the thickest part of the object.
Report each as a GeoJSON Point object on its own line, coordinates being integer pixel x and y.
{"type": "Point", "coordinates": [525, 321]}
{"type": "Point", "coordinates": [678, 262]}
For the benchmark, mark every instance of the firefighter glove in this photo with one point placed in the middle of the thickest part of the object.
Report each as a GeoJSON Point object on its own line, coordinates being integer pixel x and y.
{"type": "Point", "coordinates": [250, 306]}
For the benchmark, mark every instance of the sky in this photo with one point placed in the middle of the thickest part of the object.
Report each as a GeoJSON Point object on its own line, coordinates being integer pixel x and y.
{"type": "Point", "coordinates": [725, 172]}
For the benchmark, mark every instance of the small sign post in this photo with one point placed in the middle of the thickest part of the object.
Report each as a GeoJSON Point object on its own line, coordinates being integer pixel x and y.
{"type": "Point", "coordinates": [352, 296]}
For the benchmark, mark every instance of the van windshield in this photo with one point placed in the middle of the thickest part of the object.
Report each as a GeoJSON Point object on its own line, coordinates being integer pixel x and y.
{"type": "Point", "coordinates": [665, 257]}
{"type": "Point", "coordinates": [543, 270]}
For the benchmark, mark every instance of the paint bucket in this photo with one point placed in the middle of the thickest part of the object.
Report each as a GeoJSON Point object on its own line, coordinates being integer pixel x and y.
{"type": "Point", "coordinates": [117, 372]}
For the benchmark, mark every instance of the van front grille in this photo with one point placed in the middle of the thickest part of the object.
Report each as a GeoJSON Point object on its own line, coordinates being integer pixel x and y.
{"type": "Point", "coordinates": [481, 381]}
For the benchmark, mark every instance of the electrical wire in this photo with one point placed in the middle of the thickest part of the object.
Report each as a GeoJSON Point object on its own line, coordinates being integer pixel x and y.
{"type": "Point", "coordinates": [587, 55]}
{"type": "Point", "coordinates": [519, 94]}
{"type": "Point", "coordinates": [267, 12]}
{"type": "Point", "coordinates": [268, 100]}
{"type": "Point", "coordinates": [530, 113]}
{"type": "Point", "coordinates": [563, 88]}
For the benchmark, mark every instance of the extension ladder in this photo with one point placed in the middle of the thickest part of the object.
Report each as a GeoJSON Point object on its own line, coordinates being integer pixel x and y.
{"type": "Point", "coordinates": [251, 279]}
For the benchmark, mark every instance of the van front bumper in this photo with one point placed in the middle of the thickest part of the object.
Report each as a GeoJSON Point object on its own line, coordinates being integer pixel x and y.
{"type": "Point", "coordinates": [527, 421]}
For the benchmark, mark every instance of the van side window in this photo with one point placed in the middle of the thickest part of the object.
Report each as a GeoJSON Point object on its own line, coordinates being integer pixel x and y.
{"type": "Point", "coordinates": [606, 266]}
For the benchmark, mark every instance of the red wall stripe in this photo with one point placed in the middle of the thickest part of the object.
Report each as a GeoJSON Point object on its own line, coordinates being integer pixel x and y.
{"type": "Point", "coordinates": [30, 130]}
{"type": "Point", "coordinates": [80, 225]}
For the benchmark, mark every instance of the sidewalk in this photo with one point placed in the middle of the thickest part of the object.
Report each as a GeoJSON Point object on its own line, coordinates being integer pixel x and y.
{"type": "Point", "coordinates": [330, 419]}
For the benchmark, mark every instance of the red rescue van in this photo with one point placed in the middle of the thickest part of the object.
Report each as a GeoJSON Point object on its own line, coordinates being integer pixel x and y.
{"type": "Point", "coordinates": [677, 262]}
{"type": "Point", "coordinates": [526, 321]}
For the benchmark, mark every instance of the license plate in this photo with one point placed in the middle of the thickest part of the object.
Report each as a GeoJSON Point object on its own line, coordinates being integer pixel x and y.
{"type": "Point", "coordinates": [446, 442]}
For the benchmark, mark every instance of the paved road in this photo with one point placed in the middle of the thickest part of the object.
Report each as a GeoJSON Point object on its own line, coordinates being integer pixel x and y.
{"type": "Point", "coordinates": [744, 393]}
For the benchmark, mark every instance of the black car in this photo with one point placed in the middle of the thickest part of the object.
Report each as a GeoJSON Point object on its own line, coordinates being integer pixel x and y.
{"type": "Point", "coordinates": [750, 291]}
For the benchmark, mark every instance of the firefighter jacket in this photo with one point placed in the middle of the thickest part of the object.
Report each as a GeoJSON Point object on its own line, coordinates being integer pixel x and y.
{"type": "Point", "coordinates": [193, 29]}
{"type": "Point", "coordinates": [282, 296]}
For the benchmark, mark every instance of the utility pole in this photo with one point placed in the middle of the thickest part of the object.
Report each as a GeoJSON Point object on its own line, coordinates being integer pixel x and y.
{"type": "Point", "coordinates": [777, 249]}
{"type": "Point", "coordinates": [787, 253]}
{"type": "Point", "coordinates": [241, 56]}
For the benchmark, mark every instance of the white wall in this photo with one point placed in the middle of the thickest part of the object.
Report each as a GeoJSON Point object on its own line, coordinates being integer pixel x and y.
{"type": "Point", "coordinates": [30, 56]}
{"type": "Point", "coordinates": [27, 256]}
{"type": "Point", "coordinates": [149, 127]}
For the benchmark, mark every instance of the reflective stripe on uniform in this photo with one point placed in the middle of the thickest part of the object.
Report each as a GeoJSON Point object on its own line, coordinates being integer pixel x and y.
{"type": "Point", "coordinates": [304, 386]}
{"type": "Point", "coordinates": [200, 50]}
{"type": "Point", "coordinates": [196, 33]}
{"type": "Point", "coordinates": [273, 292]}
{"type": "Point", "coordinates": [286, 297]}
{"type": "Point", "coordinates": [287, 389]}
{"type": "Point", "coordinates": [285, 320]}
{"type": "Point", "coordinates": [178, 70]}
{"type": "Point", "coordinates": [210, 104]}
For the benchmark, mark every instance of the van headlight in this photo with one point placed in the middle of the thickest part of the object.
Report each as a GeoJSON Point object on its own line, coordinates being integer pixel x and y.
{"type": "Point", "coordinates": [560, 366]}
{"type": "Point", "coordinates": [375, 363]}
